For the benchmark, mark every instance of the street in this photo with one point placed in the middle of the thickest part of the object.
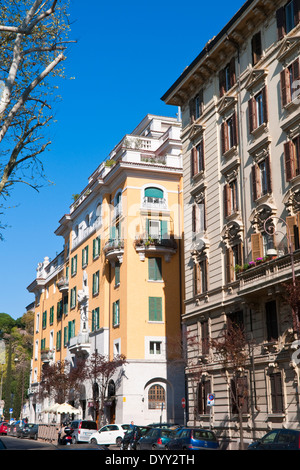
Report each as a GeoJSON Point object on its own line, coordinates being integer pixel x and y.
{"type": "Point", "coordinates": [13, 443]}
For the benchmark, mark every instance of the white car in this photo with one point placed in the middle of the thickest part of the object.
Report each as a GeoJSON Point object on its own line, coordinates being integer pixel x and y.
{"type": "Point", "coordinates": [110, 434]}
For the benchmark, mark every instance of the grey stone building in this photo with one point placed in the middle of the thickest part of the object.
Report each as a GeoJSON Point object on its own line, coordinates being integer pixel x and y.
{"type": "Point", "coordinates": [241, 154]}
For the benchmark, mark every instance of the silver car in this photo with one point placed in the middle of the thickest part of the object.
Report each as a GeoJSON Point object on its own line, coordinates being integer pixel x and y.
{"type": "Point", "coordinates": [82, 430]}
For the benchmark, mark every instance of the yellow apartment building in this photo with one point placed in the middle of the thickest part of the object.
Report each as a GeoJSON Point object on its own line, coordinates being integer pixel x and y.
{"type": "Point", "coordinates": [117, 286]}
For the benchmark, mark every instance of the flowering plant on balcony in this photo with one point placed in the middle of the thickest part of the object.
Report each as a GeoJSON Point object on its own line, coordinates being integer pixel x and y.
{"type": "Point", "coordinates": [149, 241]}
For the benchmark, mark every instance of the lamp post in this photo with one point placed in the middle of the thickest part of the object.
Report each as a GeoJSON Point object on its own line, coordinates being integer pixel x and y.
{"type": "Point", "coordinates": [270, 229]}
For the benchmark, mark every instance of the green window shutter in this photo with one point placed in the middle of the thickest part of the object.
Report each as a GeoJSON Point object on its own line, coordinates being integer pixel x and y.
{"type": "Point", "coordinates": [93, 320]}
{"type": "Point", "coordinates": [116, 313]}
{"type": "Point", "coordinates": [65, 336]}
{"type": "Point", "coordinates": [154, 269]}
{"type": "Point", "coordinates": [74, 265]}
{"type": "Point", "coordinates": [113, 232]}
{"type": "Point", "coordinates": [59, 310]}
{"type": "Point", "coordinates": [65, 304]}
{"type": "Point", "coordinates": [154, 192]}
{"type": "Point", "coordinates": [51, 319]}
{"type": "Point", "coordinates": [117, 274]}
{"type": "Point", "coordinates": [155, 309]}
{"type": "Point", "coordinates": [151, 269]}
{"type": "Point", "coordinates": [58, 340]}
{"type": "Point", "coordinates": [96, 247]}
{"type": "Point", "coordinates": [73, 298]}
{"type": "Point", "coordinates": [44, 323]}
{"type": "Point", "coordinates": [43, 344]}
{"type": "Point", "coordinates": [85, 256]}
{"type": "Point", "coordinates": [164, 229]}
{"type": "Point", "coordinates": [96, 283]}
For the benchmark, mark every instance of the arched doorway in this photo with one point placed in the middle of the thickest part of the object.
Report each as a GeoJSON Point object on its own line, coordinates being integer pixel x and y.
{"type": "Point", "coordinates": [111, 402]}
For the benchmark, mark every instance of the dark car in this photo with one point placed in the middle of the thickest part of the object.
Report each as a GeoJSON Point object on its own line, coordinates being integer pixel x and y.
{"type": "Point", "coordinates": [132, 436]}
{"type": "Point", "coordinates": [278, 439]}
{"type": "Point", "coordinates": [194, 439]}
{"type": "Point", "coordinates": [29, 430]}
{"type": "Point", "coordinates": [155, 438]}
{"type": "Point", "coordinates": [2, 445]}
{"type": "Point", "coordinates": [3, 427]}
{"type": "Point", "coordinates": [164, 425]}
{"type": "Point", "coordinates": [13, 428]}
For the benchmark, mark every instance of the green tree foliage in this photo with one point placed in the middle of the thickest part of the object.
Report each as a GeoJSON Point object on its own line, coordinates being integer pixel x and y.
{"type": "Point", "coordinates": [16, 352]}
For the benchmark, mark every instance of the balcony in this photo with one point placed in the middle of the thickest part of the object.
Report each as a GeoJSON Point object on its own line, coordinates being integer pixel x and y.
{"type": "Point", "coordinates": [80, 345]}
{"type": "Point", "coordinates": [265, 274]}
{"type": "Point", "coordinates": [154, 204]}
{"type": "Point", "coordinates": [114, 250]}
{"type": "Point", "coordinates": [47, 355]}
{"type": "Point", "coordinates": [166, 247]}
{"type": "Point", "coordinates": [63, 284]}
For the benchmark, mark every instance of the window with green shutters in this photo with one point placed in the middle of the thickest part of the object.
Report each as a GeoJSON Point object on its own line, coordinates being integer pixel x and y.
{"type": "Point", "coordinates": [43, 344]}
{"type": "Point", "coordinates": [155, 309]}
{"type": "Point", "coordinates": [157, 229]}
{"type": "Point", "coordinates": [96, 283]}
{"type": "Point", "coordinates": [73, 298]}
{"type": "Point", "coordinates": [44, 322]}
{"type": "Point", "coordinates": [95, 319]}
{"type": "Point", "coordinates": [71, 329]}
{"type": "Point", "coordinates": [154, 269]}
{"type": "Point", "coordinates": [58, 340]}
{"type": "Point", "coordinates": [117, 273]}
{"type": "Point", "coordinates": [59, 310]}
{"type": "Point", "coordinates": [116, 313]}
{"type": "Point", "coordinates": [74, 265]}
{"type": "Point", "coordinates": [85, 256]}
{"type": "Point", "coordinates": [96, 247]}
{"type": "Point", "coordinates": [65, 304]}
{"type": "Point", "coordinates": [65, 336]}
{"type": "Point", "coordinates": [51, 317]}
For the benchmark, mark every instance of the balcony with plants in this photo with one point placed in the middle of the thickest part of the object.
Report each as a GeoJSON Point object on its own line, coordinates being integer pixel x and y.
{"type": "Point", "coordinates": [263, 273]}
{"type": "Point", "coordinates": [155, 244]}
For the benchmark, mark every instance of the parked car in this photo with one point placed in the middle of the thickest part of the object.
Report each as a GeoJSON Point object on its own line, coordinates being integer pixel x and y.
{"type": "Point", "coordinates": [29, 430]}
{"type": "Point", "coordinates": [2, 445]}
{"type": "Point", "coordinates": [193, 438]}
{"type": "Point", "coordinates": [164, 425]}
{"type": "Point", "coordinates": [278, 439]}
{"type": "Point", "coordinates": [110, 434]}
{"type": "Point", "coordinates": [82, 430]}
{"type": "Point", "coordinates": [3, 427]}
{"type": "Point", "coordinates": [155, 438]}
{"type": "Point", "coordinates": [132, 436]}
{"type": "Point", "coordinates": [13, 428]}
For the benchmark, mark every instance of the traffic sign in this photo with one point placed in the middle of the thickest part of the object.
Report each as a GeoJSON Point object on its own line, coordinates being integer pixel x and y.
{"type": "Point", "coordinates": [183, 402]}
{"type": "Point", "coordinates": [210, 399]}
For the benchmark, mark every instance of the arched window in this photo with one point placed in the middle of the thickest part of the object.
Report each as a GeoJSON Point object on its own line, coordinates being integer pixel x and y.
{"type": "Point", "coordinates": [98, 211]}
{"type": "Point", "coordinates": [154, 193]}
{"type": "Point", "coordinates": [154, 197]}
{"type": "Point", "coordinates": [156, 396]}
{"type": "Point", "coordinates": [118, 204]}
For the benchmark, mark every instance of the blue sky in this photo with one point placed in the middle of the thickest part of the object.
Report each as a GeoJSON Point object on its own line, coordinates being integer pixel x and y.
{"type": "Point", "coordinates": [127, 56]}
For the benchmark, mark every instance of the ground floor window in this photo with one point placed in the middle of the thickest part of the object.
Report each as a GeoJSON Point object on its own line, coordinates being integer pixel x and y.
{"type": "Point", "coordinates": [156, 396]}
